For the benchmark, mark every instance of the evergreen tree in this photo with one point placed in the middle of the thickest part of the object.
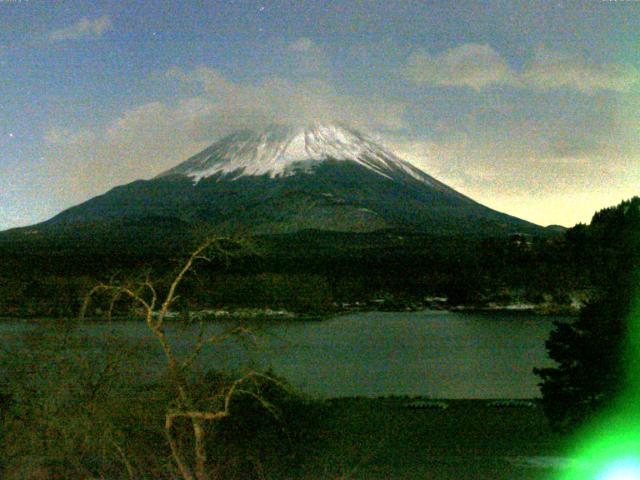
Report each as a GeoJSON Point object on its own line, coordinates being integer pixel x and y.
{"type": "Point", "coordinates": [589, 351]}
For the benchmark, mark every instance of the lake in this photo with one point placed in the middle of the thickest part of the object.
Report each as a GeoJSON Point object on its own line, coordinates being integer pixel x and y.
{"type": "Point", "coordinates": [430, 353]}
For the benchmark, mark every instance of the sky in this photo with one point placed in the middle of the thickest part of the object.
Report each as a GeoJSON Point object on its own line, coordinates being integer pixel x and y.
{"type": "Point", "coordinates": [531, 108]}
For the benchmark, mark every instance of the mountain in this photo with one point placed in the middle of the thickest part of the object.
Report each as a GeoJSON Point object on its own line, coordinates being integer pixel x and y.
{"type": "Point", "coordinates": [287, 179]}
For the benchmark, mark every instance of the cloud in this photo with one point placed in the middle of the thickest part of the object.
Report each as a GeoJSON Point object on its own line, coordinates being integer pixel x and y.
{"type": "Point", "coordinates": [139, 143]}
{"type": "Point", "coordinates": [150, 138]}
{"type": "Point", "coordinates": [480, 66]}
{"type": "Point", "coordinates": [305, 58]}
{"type": "Point", "coordinates": [280, 100]}
{"type": "Point", "coordinates": [84, 28]}
{"type": "Point", "coordinates": [469, 65]}
{"type": "Point", "coordinates": [552, 70]}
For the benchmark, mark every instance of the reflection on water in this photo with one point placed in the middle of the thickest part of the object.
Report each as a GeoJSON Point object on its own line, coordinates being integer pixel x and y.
{"type": "Point", "coordinates": [439, 354]}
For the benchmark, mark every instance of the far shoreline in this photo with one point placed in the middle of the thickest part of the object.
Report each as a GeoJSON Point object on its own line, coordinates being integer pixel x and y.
{"type": "Point", "coordinates": [283, 316]}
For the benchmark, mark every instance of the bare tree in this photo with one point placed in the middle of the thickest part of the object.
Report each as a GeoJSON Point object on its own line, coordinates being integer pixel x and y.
{"type": "Point", "coordinates": [156, 308]}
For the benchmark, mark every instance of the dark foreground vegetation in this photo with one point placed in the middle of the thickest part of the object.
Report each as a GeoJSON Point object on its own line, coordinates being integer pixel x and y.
{"type": "Point", "coordinates": [78, 407]}
{"type": "Point", "coordinates": [597, 353]}
{"type": "Point", "coordinates": [86, 408]}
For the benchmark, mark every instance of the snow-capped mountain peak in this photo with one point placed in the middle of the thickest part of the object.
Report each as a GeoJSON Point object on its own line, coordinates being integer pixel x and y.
{"type": "Point", "coordinates": [282, 180]}
{"type": "Point", "coordinates": [279, 151]}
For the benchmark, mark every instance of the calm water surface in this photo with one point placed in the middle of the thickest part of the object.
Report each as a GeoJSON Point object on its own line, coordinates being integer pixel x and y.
{"type": "Point", "coordinates": [440, 354]}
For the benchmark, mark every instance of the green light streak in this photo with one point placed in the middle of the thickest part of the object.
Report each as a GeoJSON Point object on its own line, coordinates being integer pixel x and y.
{"type": "Point", "coordinates": [609, 447]}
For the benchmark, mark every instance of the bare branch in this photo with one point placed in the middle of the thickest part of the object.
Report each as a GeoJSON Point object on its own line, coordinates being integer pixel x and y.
{"type": "Point", "coordinates": [145, 294]}
{"type": "Point", "coordinates": [185, 471]}
{"type": "Point", "coordinates": [233, 332]}
{"type": "Point", "coordinates": [154, 294]}
{"type": "Point", "coordinates": [200, 415]}
{"type": "Point", "coordinates": [125, 460]}
{"type": "Point", "coordinates": [135, 296]}
{"type": "Point", "coordinates": [197, 348]}
{"type": "Point", "coordinates": [215, 244]}
{"type": "Point", "coordinates": [270, 407]}
{"type": "Point", "coordinates": [233, 390]}
{"type": "Point", "coordinates": [236, 384]}
{"type": "Point", "coordinates": [87, 300]}
{"type": "Point", "coordinates": [114, 298]}
{"type": "Point", "coordinates": [174, 285]}
{"type": "Point", "coordinates": [116, 291]}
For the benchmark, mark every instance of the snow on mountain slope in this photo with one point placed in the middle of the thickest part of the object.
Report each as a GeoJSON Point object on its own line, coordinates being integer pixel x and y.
{"type": "Point", "coordinates": [286, 179]}
{"type": "Point", "coordinates": [280, 151]}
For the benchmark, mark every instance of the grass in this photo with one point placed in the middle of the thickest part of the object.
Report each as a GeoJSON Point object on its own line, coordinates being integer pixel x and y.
{"type": "Point", "coordinates": [383, 439]}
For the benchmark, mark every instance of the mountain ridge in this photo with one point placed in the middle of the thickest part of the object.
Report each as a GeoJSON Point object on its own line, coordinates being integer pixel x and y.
{"type": "Point", "coordinates": [285, 179]}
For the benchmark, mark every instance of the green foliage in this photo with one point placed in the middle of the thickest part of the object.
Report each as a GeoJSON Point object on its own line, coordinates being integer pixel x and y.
{"type": "Point", "coordinates": [589, 352]}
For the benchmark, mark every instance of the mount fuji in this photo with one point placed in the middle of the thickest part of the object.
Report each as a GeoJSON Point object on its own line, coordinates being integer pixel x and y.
{"type": "Point", "coordinates": [288, 179]}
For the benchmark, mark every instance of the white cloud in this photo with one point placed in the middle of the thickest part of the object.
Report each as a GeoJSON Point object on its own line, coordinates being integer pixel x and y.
{"type": "Point", "coordinates": [305, 58]}
{"type": "Point", "coordinates": [150, 138]}
{"type": "Point", "coordinates": [480, 66]}
{"type": "Point", "coordinates": [280, 100]}
{"type": "Point", "coordinates": [551, 70]}
{"type": "Point", "coordinates": [84, 28]}
{"type": "Point", "coordinates": [469, 65]}
{"type": "Point", "coordinates": [138, 144]}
